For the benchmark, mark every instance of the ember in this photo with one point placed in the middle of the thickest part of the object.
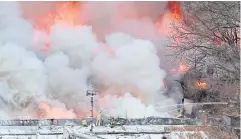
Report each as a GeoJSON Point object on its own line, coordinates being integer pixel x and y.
{"type": "Point", "coordinates": [201, 84]}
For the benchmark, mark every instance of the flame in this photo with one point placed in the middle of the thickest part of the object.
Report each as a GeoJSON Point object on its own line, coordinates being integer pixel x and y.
{"type": "Point", "coordinates": [163, 23]}
{"type": "Point", "coordinates": [201, 84]}
{"type": "Point", "coordinates": [45, 110]}
{"type": "Point", "coordinates": [65, 13]}
{"type": "Point", "coordinates": [172, 14]}
{"type": "Point", "coordinates": [175, 9]}
{"type": "Point", "coordinates": [121, 90]}
{"type": "Point", "coordinates": [182, 68]}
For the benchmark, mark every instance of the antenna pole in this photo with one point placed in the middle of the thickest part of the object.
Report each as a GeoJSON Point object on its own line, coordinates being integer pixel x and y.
{"type": "Point", "coordinates": [91, 93]}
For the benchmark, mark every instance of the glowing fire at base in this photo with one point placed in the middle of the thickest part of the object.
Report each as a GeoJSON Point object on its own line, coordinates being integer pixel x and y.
{"type": "Point", "coordinates": [45, 110]}
{"type": "Point", "coordinates": [201, 84]}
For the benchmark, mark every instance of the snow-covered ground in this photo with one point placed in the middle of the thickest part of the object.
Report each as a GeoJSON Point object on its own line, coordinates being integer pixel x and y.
{"type": "Point", "coordinates": [155, 132]}
{"type": "Point", "coordinates": [174, 135]}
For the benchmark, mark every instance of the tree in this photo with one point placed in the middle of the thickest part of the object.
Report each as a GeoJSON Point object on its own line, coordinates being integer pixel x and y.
{"type": "Point", "coordinates": [207, 39]}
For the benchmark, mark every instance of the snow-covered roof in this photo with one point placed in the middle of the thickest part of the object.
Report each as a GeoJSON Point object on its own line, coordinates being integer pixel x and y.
{"type": "Point", "coordinates": [136, 131]}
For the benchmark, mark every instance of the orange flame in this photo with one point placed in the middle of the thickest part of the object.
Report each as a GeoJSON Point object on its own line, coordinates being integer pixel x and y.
{"type": "Point", "coordinates": [65, 13]}
{"type": "Point", "coordinates": [182, 68]}
{"type": "Point", "coordinates": [201, 84]}
{"type": "Point", "coordinates": [173, 13]}
{"type": "Point", "coordinates": [175, 8]}
{"type": "Point", "coordinates": [45, 110]}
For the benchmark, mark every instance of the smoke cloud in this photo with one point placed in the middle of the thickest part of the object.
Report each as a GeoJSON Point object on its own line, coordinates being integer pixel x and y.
{"type": "Point", "coordinates": [115, 50]}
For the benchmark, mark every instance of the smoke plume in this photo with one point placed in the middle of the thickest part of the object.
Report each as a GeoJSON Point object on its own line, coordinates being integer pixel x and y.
{"type": "Point", "coordinates": [45, 74]}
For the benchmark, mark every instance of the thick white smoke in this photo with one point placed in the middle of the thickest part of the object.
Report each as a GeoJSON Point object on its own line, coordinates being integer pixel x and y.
{"type": "Point", "coordinates": [129, 106]}
{"type": "Point", "coordinates": [134, 63]}
{"type": "Point", "coordinates": [125, 69]}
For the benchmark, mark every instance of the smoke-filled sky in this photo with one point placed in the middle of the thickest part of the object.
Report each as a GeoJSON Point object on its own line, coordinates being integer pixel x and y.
{"type": "Point", "coordinates": [116, 45]}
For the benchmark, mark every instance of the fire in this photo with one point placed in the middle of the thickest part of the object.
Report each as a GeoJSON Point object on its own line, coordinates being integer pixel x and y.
{"type": "Point", "coordinates": [120, 91]}
{"type": "Point", "coordinates": [201, 84]}
{"type": "Point", "coordinates": [45, 110]}
{"type": "Point", "coordinates": [175, 9]}
{"type": "Point", "coordinates": [182, 68]}
{"type": "Point", "coordinates": [173, 13]}
{"type": "Point", "coordinates": [65, 13]}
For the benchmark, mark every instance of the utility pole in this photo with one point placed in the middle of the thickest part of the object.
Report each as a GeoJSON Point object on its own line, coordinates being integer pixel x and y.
{"type": "Point", "coordinates": [91, 93]}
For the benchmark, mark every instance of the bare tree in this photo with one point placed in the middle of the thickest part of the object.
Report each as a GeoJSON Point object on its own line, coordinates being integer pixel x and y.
{"type": "Point", "coordinates": [208, 40]}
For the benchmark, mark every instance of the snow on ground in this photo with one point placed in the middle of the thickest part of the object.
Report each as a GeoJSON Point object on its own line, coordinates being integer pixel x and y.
{"type": "Point", "coordinates": [33, 137]}
{"type": "Point", "coordinates": [133, 128]}
{"type": "Point", "coordinates": [101, 132]}
{"type": "Point", "coordinates": [175, 135]}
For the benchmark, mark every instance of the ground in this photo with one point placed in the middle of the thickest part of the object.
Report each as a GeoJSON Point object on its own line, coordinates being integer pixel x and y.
{"type": "Point", "coordinates": [123, 132]}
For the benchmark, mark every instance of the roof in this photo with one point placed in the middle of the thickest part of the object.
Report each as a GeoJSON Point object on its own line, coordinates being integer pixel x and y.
{"type": "Point", "coordinates": [171, 132]}
{"type": "Point", "coordinates": [199, 132]}
{"type": "Point", "coordinates": [153, 131]}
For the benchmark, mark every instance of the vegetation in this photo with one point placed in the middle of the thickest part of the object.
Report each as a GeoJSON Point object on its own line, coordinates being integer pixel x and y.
{"type": "Point", "coordinates": [207, 39]}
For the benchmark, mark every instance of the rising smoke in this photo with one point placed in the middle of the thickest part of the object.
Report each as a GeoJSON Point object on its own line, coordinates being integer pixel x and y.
{"type": "Point", "coordinates": [115, 50]}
